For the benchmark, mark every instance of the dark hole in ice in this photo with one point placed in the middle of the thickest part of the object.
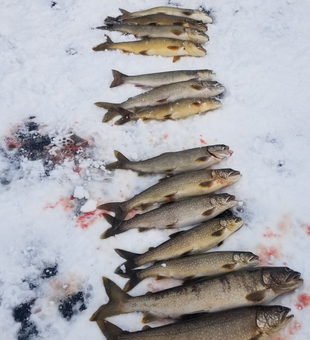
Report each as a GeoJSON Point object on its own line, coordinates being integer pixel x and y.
{"type": "Point", "coordinates": [72, 305]}
{"type": "Point", "coordinates": [49, 272]}
{"type": "Point", "coordinates": [53, 4]}
{"type": "Point", "coordinates": [22, 312]}
{"type": "Point", "coordinates": [27, 331]}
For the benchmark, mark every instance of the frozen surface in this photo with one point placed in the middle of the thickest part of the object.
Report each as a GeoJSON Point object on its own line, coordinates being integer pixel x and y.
{"type": "Point", "coordinates": [50, 246]}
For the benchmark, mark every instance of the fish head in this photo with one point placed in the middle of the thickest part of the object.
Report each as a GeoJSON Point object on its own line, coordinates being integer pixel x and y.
{"type": "Point", "coordinates": [197, 36]}
{"type": "Point", "coordinates": [226, 176]}
{"type": "Point", "coordinates": [194, 49]}
{"type": "Point", "coordinates": [219, 151]}
{"type": "Point", "coordinates": [246, 259]}
{"type": "Point", "coordinates": [270, 319]}
{"type": "Point", "coordinates": [223, 200]}
{"type": "Point", "coordinates": [281, 279]}
{"type": "Point", "coordinates": [214, 87]}
{"type": "Point", "coordinates": [204, 17]}
{"type": "Point", "coordinates": [205, 74]}
{"type": "Point", "coordinates": [207, 103]}
{"type": "Point", "coordinates": [232, 223]}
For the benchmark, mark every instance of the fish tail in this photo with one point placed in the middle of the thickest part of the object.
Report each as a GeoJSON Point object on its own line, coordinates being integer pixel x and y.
{"type": "Point", "coordinates": [110, 331]}
{"type": "Point", "coordinates": [114, 306]}
{"type": "Point", "coordinates": [127, 116]}
{"type": "Point", "coordinates": [118, 78]}
{"type": "Point", "coordinates": [121, 160]}
{"type": "Point", "coordinates": [130, 261]}
{"type": "Point", "coordinates": [106, 105]}
{"type": "Point", "coordinates": [112, 112]}
{"type": "Point", "coordinates": [119, 208]}
{"type": "Point", "coordinates": [111, 231]}
{"type": "Point", "coordinates": [133, 281]}
{"type": "Point", "coordinates": [111, 20]}
{"type": "Point", "coordinates": [104, 46]}
{"type": "Point", "coordinates": [125, 14]}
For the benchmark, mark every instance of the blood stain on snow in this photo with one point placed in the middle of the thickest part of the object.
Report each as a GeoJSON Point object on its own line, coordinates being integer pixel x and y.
{"type": "Point", "coordinates": [202, 141]}
{"type": "Point", "coordinates": [308, 230]}
{"type": "Point", "coordinates": [88, 218]}
{"type": "Point", "coordinates": [267, 254]}
{"type": "Point", "coordinates": [270, 233]}
{"type": "Point", "coordinates": [165, 136]}
{"type": "Point", "coordinates": [294, 327]}
{"type": "Point", "coordinates": [66, 203]}
{"type": "Point", "coordinates": [303, 301]}
{"type": "Point", "coordinates": [284, 223]}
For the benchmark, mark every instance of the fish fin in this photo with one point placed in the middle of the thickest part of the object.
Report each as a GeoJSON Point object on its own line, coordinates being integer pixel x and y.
{"type": "Point", "coordinates": [162, 100]}
{"type": "Point", "coordinates": [176, 58]}
{"type": "Point", "coordinates": [110, 115]}
{"type": "Point", "coordinates": [142, 230]}
{"type": "Point", "coordinates": [145, 206]}
{"type": "Point", "coordinates": [133, 279]}
{"type": "Point", "coordinates": [127, 116]}
{"type": "Point", "coordinates": [176, 32]}
{"type": "Point", "coordinates": [218, 233]}
{"type": "Point", "coordinates": [118, 209]}
{"type": "Point", "coordinates": [229, 266]}
{"type": "Point", "coordinates": [258, 337]}
{"type": "Point", "coordinates": [173, 48]}
{"type": "Point", "coordinates": [169, 116]}
{"type": "Point", "coordinates": [194, 280]}
{"type": "Point", "coordinates": [110, 331]}
{"type": "Point", "coordinates": [104, 46]}
{"type": "Point", "coordinates": [151, 248]}
{"type": "Point", "coordinates": [144, 328]}
{"type": "Point", "coordinates": [186, 317]}
{"type": "Point", "coordinates": [196, 87]}
{"type": "Point", "coordinates": [106, 105]}
{"type": "Point", "coordinates": [188, 279]}
{"type": "Point", "coordinates": [110, 20]}
{"type": "Point", "coordinates": [149, 293]}
{"type": "Point", "coordinates": [150, 317]}
{"type": "Point", "coordinates": [170, 197]}
{"type": "Point", "coordinates": [144, 52]}
{"type": "Point", "coordinates": [206, 184]}
{"type": "Point", "coordinates": [127, 255]}
{"type": "Point", "coordinates": [140, 174]}
{"type": "Point", "coordinates": [145, 119]}
{"type": "Point", "coordinates": [176, 234]}
{"type": "Point", "coordinates": [160, 277]}
{"type": "Point", "coordinates": [170, 226]}
{"type": "Point", "coordinates": [202, 159]}
{"type": "Point", "coordinates": [197, 103]}
{"type": "Point", "coordinates": [124, 12]}
{"type": "Point", "coordinates": [121, 159]}
{"type": "Point", "coordinates": [208, 212]}
{"type": "Point", "coordinates": [187, 13]}
{"type": "Point", "coordinates": [118, 78]}
{"type": "Point", "coordinates": [257, 296]}
{"type": "Point", "coordinates": [219, 244]}
{"type": "Point", "coordinates": [114, 306]}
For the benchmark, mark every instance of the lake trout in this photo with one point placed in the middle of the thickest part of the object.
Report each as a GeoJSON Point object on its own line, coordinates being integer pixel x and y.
{"type": "Point", "coordinates": [193, 266]}
{"type": "Point", "coordinates": [248, 323]}
{"type": "Point", "coordinates": [169, 93]}
{"type": "Point", "coordinates": [164, 47]}
{"type": "Point", "coordinates": [160, 78]}
{"type": "Point", "coordinates": [196, 240]}
{"type": "Point", "coordinates": [174, 162]}
{"type": "Point", "coordinates": [182, 108]}
{"type": "Point", "coordinates": [239, 288]}
{"type": "Point", "coordinates": [147, 31]}
{"type": "Point", "coordinates": [187, 212]}
{"type": "Point", "coordinates": [161, 20]}
{"type": "Point", "coordinates": [183, 185]}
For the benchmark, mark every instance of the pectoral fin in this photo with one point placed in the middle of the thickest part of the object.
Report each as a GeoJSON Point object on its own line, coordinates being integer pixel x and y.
{"type": "Point", "coordinates": [206, 184]}
{"type": "Point", "coordinates": [149, 317]}
{"type": "Point", "coordinates": [176, 58]}
{"type": "Point", "coordinates": [144, 52]}
{"type": "Point", "coordinates": [202, 159]}
{"type": "Point", "coordinates": [173, 48]}
{"type": "Point", "coordinates": [144, 328]}
{"type": "Point", "coordinates": [196, 87]}
{"type": "Point", "coordinates": [257, 296]}
{"type": "Point", "coordinates": [218, 233]}
{"type": "Point", "coordinates": [229, 266]}
{"type": "Point", "coordinates": [177, 233]}
{"type": "Point", "coordinates": [176, 32]}
{"type": "Point", "coordinates": [208, 212]}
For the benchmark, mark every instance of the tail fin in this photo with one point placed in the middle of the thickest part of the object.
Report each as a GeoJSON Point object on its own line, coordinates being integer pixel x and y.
{"type": "Point", "coordinates": [118, 78]}
{"type": "Point", "coordinates": [125, 14]}
{"type": "Point", "coordinates": [127, 116]}
{"type": "Point", "coordinates": [133, 279]}
{"type": "Point", "coordinates": [114, 306]}
{"type": "Point", "coordinates": [111, 231]}
{"type": "Point", "coordinates": [130, 261]}
{"type": "Point", "coordinates": [121, 159]}
{"type": "Point", "coordinates": [110, 331]}
{"type": "Point", "coordinates": [104, 46]}
{"type": "Point", "coordinates": [111, 20]}
{"type": "Point", "coordinates": [112, 112]}
{"type": "Point", "coordinates": [106, 105]}
{"type": "Point", "coordinates": [119, 208]}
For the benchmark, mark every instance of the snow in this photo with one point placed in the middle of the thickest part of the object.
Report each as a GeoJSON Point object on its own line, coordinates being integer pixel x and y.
{"type": "Point", "coordinates": [260, 52]}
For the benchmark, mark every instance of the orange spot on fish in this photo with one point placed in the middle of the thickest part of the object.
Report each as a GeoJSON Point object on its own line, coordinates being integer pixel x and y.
{"type": "Point", "coordinates": [303, 301]}
{"type": "Point", "coordinates": [294, 327]}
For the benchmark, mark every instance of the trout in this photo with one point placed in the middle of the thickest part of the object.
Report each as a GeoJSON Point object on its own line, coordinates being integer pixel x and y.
{"type": "Point", "coordinates": [164, 47]}
{"type": "Point", "coordinates": [174, 162]}
{"type": "Point", "coordinates": [181, 109]}
{"type": "Point", "coordinates": [180, 12]}
{"type": "Point", "coordinates": [188, 267]}
{"type": "Point", "coordinates": [248, 323]}
{"type": "Point", "coordinates": [161, 78]}
{"type": "Point", "coordinates": [196, 240]}
{"type": "Point", "coordinates": [183, 185]}
{"type": "Point", "coordinates": [169, 93]}
{"type": "Point", "coordinates": [146, 31]}
{"type": "Point", "coordinates": [241, 288]}
{"type": "Point", "coordinates": [175, 215]}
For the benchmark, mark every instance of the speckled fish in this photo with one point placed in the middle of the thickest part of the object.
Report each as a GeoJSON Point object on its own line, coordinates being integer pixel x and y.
{"type": "Point", "coordinates": [181, 12]}
{"type": "Point", "coordinates": [174, 162]}
{"type": "Point", "coordinates": [160, 78]}
{"type": "Point", "coordinates": [188, 267]}
{"type": "Point", "coordinates": [164, 47]}
{"type": "Point", "coordinates": [182, 108]}
{"type": "Point", "coordinates": [183, 185]}
{"type": "Point", "coordinates": [241, 288]}
{"type": "Point", "coordinates": [169, 93]}
{"type": "Point", "coordinates": [194, 241]}
{"type": "Point", "coordinates": [147, 31]}
{"type": "Point", "coordinates": [248, 323]}
{"type": "Point", "coordinates": [161, 20]}
{"type": "Point", "coordinates": [189, 211]}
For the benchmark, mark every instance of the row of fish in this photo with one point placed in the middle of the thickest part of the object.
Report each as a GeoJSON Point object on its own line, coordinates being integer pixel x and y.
{"type": "Point", "coordinates": [165, 31]}
{"type": "Point", "coordinates": [176, 94]}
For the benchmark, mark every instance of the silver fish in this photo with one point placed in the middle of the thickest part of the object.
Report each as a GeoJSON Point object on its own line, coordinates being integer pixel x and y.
{"type": "Point", "coordinates": [241, 288]}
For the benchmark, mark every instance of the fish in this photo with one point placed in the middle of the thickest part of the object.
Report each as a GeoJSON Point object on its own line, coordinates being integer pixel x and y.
{"type": "Point", "coordinates": [175, 215]}
{"type": "Point", "coordinates": [241, 288]}
{"type": "Point", "coordinates": [147, 31]}
{"type": "Point", "coordinates": [247, 323]}
{"type": "Point", "coordinates": [169, 93]}
{"type": "Point", "coordinates": [181, 12]}
{"type": "Point", "coordinates": [174, 162]}
{"type": "Point", "coordinates": [165, 47]}
{"type": "Point", "coordinates": [193, 241]}
{"type": "Point", "coordinates": [160, 20]}
{"type": "Point", "coordinates": [183, 185]}
{"type": "Point", "coordinates": [193, 266]}
{"type": "Point", "coordinates": [180, 109]}
{"type": "Point", "coordinates": [161, 78]}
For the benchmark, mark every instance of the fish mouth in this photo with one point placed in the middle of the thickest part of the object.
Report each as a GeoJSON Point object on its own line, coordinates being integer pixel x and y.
{"type": "Point", "coordinates": [223, 153]}
{"type": "Point", "coordinates": [293, 277]}
{"type": "Point", "coordinates": [234, 173]}
{"type": "Point", "coordinates": [230, 198]}
{"type": "Point", "coordinates": [254, 260]}
{"type": "Point", "coordinates": [286, 318]}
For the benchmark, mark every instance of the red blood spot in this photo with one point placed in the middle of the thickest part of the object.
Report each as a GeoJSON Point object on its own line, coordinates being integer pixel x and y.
{"type": "Point", "coordinates": [284, 263]}
{"type": "Point", "coordinates": [294, 327]}
{"type": "Point", "coordinates": [165, 136]}
{"type": "Point", "coordinates": [65, 203]}
{"type": "Point", "coordinates": [88, 218]}
{"type": "Point", "coordinates": [266, 253]}
{"type": "Point", "coordinates": [308, 230]}
{"type": "Point", "coordinates": [12, 143]}
{"type": "Point", "coordinates": [303, 301]}
{"type": "Point", "coordinates": [270, 233]}
{"type": "Point", "coordinates": [202, 141]}
{"type": "Point", "coordinates": [284, 223]}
